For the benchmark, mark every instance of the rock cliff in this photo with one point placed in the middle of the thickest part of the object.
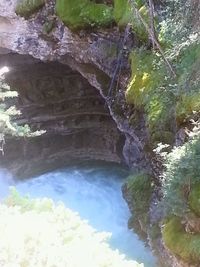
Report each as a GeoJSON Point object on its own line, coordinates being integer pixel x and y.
{"type": "Point", "coordinates": [57, 75]}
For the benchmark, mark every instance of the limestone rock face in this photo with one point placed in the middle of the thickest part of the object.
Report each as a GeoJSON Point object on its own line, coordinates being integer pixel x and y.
{"type": "Point", "coordinates": [54, 98]}
{"type": "Point", "coordinates": [89, 57]}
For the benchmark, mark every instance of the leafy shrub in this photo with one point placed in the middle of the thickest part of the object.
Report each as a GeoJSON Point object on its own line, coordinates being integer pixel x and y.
{"type": "Point", "coordinates": [181, 176]}
{"type": "Point", "coordinates": [37, 232]}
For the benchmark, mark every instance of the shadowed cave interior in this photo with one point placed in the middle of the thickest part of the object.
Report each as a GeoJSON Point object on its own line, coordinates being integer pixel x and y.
{"type": "Point", "coordinates": [57, 99]}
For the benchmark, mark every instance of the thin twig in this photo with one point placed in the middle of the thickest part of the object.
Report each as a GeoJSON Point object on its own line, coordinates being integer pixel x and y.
{"type": "Point", "coordinates": [151, 15]}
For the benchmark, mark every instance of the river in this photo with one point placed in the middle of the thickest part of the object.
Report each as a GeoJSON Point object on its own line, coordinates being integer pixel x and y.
{"type": "Point", "coordinates": [94, 191]}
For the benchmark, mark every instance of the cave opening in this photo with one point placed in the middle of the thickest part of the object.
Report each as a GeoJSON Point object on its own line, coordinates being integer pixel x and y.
{"type": "Point", "coordinates": [54, 98]}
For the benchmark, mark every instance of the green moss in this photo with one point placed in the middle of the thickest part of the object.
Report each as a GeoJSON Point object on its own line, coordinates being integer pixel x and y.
{"type": "Point", "coordinates": [165, 137]}
{"type": "Point", "coordinates": [188, 69]}
{"type": "Point", "coordinates": [147, 90]}
{"type": "Point", "coordinates": [140, 189]}
{"type": "Point", "coordinates": [194, 199]}
{"type": "Point", "coordinates": [78, 14]}
{"type": "Point", "coordinates": [135, 223]}
{"type": "Point", "coordinates": [25, 8]}
{"type": "Point", "coordinates": [48, 26]}
{"type": "Point", "coordinates": [184, 245]}
{"type": "Point", "coordinates": [166, 101]}
{"type": "Point", "coordinates": [138, 26]}
{"type": "Point", "coordinates": [154, 232]}
{"type": "Point", "coordinates": [182, 170]}
{"type": "Point", "coordinates": [124, 14]}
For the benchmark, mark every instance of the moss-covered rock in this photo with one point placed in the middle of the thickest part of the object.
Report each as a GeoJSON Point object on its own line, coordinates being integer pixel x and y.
{"type": "Point", "coordinates": [184, 245]}
{"type": "Point", "coordinates": [148, 90]}
{"type": "Point", "coordinates": [25, 8]}
{"type": "Point", "coordinates": [78, 14]}
{"type": "Point", "coordinates": [124, 14]}
{"type": "Point", "coordinates": [166, 101]}
{"type": "Point", "coordinates": [139, 191]}
{"type": "Point", "coordinates": [194, 199]}
{"type": "Point", "coordinates": [188, 69]}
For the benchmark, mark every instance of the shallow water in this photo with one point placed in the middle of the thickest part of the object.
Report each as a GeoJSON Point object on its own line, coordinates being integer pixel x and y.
{"type": "Point", "coordinates": [94, 191]}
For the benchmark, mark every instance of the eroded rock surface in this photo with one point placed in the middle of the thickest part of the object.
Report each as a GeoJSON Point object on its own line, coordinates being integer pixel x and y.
{"type": "Point", "coordinates": [54, 98]}
{"type": "Point", "coordinates": [95, 55]}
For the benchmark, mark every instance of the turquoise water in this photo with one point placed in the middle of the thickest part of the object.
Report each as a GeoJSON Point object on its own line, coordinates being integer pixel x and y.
{"type": "Point", "coordinates": [94, 191]}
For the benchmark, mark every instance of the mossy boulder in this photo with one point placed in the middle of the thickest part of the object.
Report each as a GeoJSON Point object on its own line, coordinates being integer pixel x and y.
{"type": "Point", "coordinates": [78, 14]}
{"type": "Point", "coordinates": [181, 243]}
{"type": "Point", "coordinates": [25, 8]}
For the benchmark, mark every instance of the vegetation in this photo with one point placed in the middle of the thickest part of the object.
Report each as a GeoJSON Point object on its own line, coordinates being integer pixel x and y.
{"type": "Point", "coordinates": [124, 14]}
{"type": "Point", "coordinates": [194, 199]}
{"type": "Point", "coordinates": [168, 95]}
{"type": "Point", "coordinates": [181, 177]}
{"type": "Point", "coordinates": [47, 234]}
{"type": "Point", "coordinates": [181, 190]}
{"type": "Point", "coordinates": [78, 14]}
{"type": "Point", "coordinates": [6, 126]}
{"type": "Point", "coordinates": [25, 8]}
{"type": "Point", "coordinates": [148, 90]}
{"type": "Point", "coordinates": [165, 86]}
{"type": "Point", "coordinates": [7, 112]}
{"type": "Point", "coordinates": [139, 190]}
{"type": "Point", "coordinates": [184, 245]}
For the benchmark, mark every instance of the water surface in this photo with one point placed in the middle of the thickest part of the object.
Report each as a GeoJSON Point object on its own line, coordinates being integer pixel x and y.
{"type": "Point", "coordinates": [94, 191]}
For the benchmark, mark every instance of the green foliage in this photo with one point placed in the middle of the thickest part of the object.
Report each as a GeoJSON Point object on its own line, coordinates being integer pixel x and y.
{"type": "Point", "coordinates": [7, 127]}
{"type": "Point", "coordinates": [188, 70]}
{"type": "Point", "coordinates": [180, 16]}
{"type": "Point", "coordinates": [26, 203]}
{"type": "Point", "coordinates": [166, 101]}
{"type": "Point", "coordinates": [25, 8]}
{"type": "Point", "coordinates": [181, 176]}
{"type": "Point", "coordinates": [140, 189]}
{"type": "Point", "coordinates": [148, 90]}
{"type": "Point", "coordinates": [184, 245]}
{"type": "Point", "coordinates": [38, 232]}
{"type": "Point", "coordinates": [124, 14]}
{"type": "Point", "coordinates": [78, 14]}
{"type": "Point", "coordinates": [194, 199]}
